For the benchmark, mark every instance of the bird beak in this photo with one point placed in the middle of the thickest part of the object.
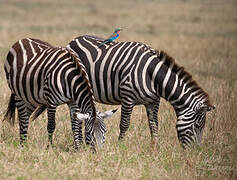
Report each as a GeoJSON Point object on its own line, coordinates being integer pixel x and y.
{"type": "Point", "coordinates": [119, 30]}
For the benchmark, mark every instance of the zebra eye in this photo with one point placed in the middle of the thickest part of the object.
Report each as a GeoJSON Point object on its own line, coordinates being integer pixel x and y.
{"type": "Point", "coordinates": [189, 133]}
{"type": "Point", "coordinates": [197, 107]}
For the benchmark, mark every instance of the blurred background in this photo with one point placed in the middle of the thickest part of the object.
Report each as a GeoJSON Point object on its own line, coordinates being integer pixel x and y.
{"type": "Point", "coordinates": [200, 35]}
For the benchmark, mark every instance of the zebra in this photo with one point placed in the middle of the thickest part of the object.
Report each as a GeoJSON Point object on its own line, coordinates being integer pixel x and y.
{"type": "Point", "coordinates": [133, 73]}
{"type": "Point", "coordinates": [41, 76]}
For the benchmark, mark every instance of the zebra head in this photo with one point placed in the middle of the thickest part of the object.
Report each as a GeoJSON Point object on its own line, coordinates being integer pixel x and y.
{"type": "Point", "coordinates": [95, 128]}
{"type": "Point", "coordinates": [100, 127]}
{"type": "Point", "coordinates": [190, 125]}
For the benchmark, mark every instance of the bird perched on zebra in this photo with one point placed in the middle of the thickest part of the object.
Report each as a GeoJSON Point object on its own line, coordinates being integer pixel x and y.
{"type": "Point", "coordinates": [114, 36]}
{"type": "Point", "coordinates": [42, 77]}
{"type": "Point", "coordinates": [132, 73]}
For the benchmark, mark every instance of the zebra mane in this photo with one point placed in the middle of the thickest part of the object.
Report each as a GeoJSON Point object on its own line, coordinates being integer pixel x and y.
{"type": "Point", "coordinates": [85, 76]}
{"type": "Point", "coordinates": [182, 74]}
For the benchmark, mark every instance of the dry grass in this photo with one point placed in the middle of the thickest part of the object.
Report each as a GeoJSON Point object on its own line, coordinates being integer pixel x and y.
{"type": "Point", "coordinates": [201, 35]}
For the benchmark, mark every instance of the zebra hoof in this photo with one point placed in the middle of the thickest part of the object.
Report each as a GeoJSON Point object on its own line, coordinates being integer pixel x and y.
{"type": "Point", "coordinates": [93, 149]}
{"type": "Point", "coordinates": [121, 138]}
{"type": "Point", "coordinates": [49, 146]}
{"type": "Point", "coordinates": [23, 144]}
{"type": "Point", "coordinates": [77, 145]}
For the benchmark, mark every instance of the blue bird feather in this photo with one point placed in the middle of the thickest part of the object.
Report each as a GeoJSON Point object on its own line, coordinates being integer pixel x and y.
{"type": "Point", "coordinates": [114, 36]}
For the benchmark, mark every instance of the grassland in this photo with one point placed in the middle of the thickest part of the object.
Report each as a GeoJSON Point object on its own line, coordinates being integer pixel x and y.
{"type": "Point", "coordinates": [201, 35]}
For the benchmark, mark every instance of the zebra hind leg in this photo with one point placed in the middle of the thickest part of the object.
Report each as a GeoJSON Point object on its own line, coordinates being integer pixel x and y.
{"type": "Point", "coordinates": [30, 109]}
{"type": "Point", "coordinates": [51, 123]}
{"type": "Point", "coordinates": [126, 112]}
{"type": "Point", "coordinates": [152, 114]}
{"type": "Point", "coordinates": [23, 119]}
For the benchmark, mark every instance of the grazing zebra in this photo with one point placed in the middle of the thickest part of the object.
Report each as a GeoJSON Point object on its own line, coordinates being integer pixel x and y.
{"type": "Point", "coordinates": [41, 77]}
{"type": "Point", "coordinates": [132, 73]}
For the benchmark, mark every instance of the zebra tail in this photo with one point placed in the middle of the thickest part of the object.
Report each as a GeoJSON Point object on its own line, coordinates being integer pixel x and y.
{"type": "Point", "coordinates": [39, 110]}
{"type": "Point", "coordinates": [10, 113]}
{"type": "Point", "coordinates": [85, 75]}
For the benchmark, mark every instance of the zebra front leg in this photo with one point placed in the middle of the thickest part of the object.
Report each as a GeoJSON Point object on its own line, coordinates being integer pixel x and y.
{"type": "Point", "coordinates": [152, 112]}
{"type": "Point", "coordinates": [76, 126]}
{"type": "Point", "coordinates": [77, 133]}
{"type": "Point", "coordinates": [51, 110]}
{"type": "Point", "coordinates": [23, 120]}
{"type": "Point", "coordinates": [126, 112]}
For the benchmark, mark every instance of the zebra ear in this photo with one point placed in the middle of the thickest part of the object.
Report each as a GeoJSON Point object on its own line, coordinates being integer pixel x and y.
{"type": "Point", "coordinates": [107, 114]}
{"type": "Point", "coordinates": [81, 116]}
{"type": "Point", "coordinates": [211, 107]}
{"type": "Point", "coordinates": [207, 108]}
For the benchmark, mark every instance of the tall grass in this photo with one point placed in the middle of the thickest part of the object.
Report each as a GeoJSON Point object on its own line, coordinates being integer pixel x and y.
{"type": "Point", "coordinates": [200, 35]}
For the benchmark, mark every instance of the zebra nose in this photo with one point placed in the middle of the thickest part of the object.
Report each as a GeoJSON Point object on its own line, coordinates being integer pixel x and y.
{"type": "Point", "coordinates": [198, 139]}
{"type": "Point", "coordinates": [99, 143]}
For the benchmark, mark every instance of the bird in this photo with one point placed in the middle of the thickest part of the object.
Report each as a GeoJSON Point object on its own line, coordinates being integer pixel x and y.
{"type": "Point", "coordinates": [114, 36]}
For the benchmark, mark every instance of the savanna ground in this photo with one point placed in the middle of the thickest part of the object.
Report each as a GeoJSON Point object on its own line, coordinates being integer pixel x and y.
{"type": "Point", "coordinates": [201, 35]}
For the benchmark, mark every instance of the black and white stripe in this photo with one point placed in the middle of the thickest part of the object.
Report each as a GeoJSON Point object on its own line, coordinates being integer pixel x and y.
{"type": "Point", "coordinates": [41, 77]}
{"type": "Point", "coordinates": [132, 73]}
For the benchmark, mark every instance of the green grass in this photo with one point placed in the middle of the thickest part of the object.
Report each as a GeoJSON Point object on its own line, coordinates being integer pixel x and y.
{"type": "Point", "coordinates": [200, 35]}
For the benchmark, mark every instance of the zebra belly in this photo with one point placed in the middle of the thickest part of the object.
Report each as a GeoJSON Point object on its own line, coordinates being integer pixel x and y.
{"type": "Point", "coordinates": [109, 100]}
{"type": "Point", "coordinates": [105, 90]}
{"type": "Point", "coordinates": [30, 98]}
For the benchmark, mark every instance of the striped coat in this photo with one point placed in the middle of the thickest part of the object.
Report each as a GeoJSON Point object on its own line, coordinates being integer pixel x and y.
{"type": "Point", "coordinates": [132, 73]}
{"type": "Point", "coordinates": [41, 77]}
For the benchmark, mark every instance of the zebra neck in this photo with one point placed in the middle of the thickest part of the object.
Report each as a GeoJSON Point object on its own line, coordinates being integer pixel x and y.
{"type": "Point", "coordinates": [186, 98]}
{"type": "Point", "coordinates": [174, 84]}
{"type": "Point", "coordinates": [172, 88]}
{"type": "Point", "coordinates": [181, 99]}
{"type": "Point", "coordinates": [85, 107]}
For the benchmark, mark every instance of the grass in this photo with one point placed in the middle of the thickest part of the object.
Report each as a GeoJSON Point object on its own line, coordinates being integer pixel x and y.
{"type": "Point", "coordinates": [201, 35]}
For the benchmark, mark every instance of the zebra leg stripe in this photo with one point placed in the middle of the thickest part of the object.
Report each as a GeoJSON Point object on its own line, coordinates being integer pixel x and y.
{"type": "Point", "coordinates": [51, 123]}
{"type": "Point", "coordinates": [30, 109]}
{"type": "Point", "coordinates": [152, 114]}
{"type": "Point", "coordinates": [23, 119]}
{"type": "Point", "coordinates": [76, 126]}
{"type": "Point", "coordinates": [126, 111]}
{"type": "Point", "coordinates": [77, 132]}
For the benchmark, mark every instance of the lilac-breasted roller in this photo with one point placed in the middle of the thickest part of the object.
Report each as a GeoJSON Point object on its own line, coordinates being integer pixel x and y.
{"type": "Point", "coordinates": [114, 36]}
